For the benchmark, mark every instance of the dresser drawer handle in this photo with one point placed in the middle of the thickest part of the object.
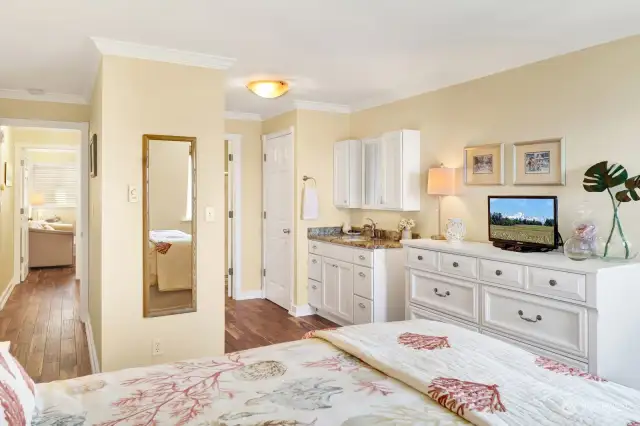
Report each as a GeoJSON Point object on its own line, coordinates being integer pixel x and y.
{"type": "Point", "coordinates": [455, 264]}
{"type": "Point", "coordinates": [314, 247]}
{"type": "Point", "coordinates": [538, 317]}
{"type": "Point", "coordinates": [362, 274]}
{"type": "Point", "coordinates": [361, 257]}
{"type": "Point", "coordinates": [314, 261]}
{"type": "Point", "coordinates": [420, 257]}
{"type": "Point", "coordinates": [446, 293]}
{"type": "Point", "coordinates": [361, 305]}
{"type": "Point", "coordinates": [553, 283]}
{"type": "Point", "coordinates": [498, 272]}
{"type": "Point", "coordinates": [315, 287]}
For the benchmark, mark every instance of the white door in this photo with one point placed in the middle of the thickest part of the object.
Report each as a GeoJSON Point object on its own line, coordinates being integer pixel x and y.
{"type": "Point", "coordinates": [392, 171]}
{"type": "Point", "coordinates": [345, 291]}
{"type": "Point", "coordinates": [230, 219]}
{"type": "Point", "coordinates": [341, 174]}
{"type": "Point", "coordinates": [330, 277]}
{"type": "Point", "coordinates": [278, 224]}
{"type": "Point", "coordinates": [24, 220]}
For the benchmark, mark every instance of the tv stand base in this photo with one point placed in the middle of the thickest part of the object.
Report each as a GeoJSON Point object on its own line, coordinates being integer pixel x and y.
{"type": "Point", "coordinates": [522, 248]}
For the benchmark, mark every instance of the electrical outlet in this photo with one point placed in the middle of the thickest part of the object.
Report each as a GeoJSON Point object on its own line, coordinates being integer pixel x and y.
{"type": "Point", "coordinates": [157, 347]}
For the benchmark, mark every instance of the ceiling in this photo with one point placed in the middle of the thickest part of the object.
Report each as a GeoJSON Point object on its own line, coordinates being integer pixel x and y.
{"type": "Point", "coordinates": [356, 53]}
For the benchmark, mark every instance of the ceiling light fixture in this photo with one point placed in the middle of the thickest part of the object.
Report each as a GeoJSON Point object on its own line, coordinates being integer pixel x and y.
{"type": "Point", "coordinates": [268, 89]}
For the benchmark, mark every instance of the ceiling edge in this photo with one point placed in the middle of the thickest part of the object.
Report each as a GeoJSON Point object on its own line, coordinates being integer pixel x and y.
{"type": "Point", "coordinates": [24, 95]}
{"type": "Point", "coordinates": [161, 54]}
{"type": "Point", "coordinates": [321, 106]}
{"type": "Point", "coordinates": [246, 116]}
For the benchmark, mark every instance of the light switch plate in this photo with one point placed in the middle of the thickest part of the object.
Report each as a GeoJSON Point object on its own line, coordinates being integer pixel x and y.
{"type": "Point", "coordinates": [133, 194]}
{"type": "Point", "coordinates": [209, 214]}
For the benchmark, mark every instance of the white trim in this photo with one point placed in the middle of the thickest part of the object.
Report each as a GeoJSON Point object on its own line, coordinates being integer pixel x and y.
{"type": "Point", "coordinates": [162, 54]}
{"type": "Point", "coordinates": [7, 293]}
{"type": "Point", "coordinates": [246, 295]}
{"type": "Point", "coordinates": [301, 310]}
{"type": "Point", "coordinates": [93, 353]}
{"type": "Point", "coordinates": [245, 116]}
{"type": "Point", "coordinates": [235, 148]}
{"type": "Point", "coordinates": [24, 95]}
{"type": "Point", "coordinates": [322, 106]}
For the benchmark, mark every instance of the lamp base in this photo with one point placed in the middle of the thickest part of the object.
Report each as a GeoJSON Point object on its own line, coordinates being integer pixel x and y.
{"type": "Point", "coordinates": [438, 237]}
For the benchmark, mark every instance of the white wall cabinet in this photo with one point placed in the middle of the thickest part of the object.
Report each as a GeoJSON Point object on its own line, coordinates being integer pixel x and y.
{"type": "Point", "coordinates": [347, 174]}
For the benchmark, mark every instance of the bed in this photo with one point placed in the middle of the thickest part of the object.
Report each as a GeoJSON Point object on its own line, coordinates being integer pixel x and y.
{"type": "Point", "coordinates": [170, 253]}
{"type": "Point", "coordinates": [404, 373]}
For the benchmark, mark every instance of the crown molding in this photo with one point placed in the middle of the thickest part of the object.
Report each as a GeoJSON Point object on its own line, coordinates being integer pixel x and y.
{"type": "Point", "coordinates": [161, 54]}
{"type": "Point", "coordinates": [24, 95]}
{"type": "Point", "coordinates": [245, 116]}
{"type": "Point", "coordinates": [321, 106]}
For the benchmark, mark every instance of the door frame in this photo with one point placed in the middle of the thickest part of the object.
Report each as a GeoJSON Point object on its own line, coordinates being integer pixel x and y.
{"type": "Point", "coordinates": [234, 235]}
{"type": "Point", "coordinates": [82, 237]}
{"type": "Point", "coordinates": [292, 258]}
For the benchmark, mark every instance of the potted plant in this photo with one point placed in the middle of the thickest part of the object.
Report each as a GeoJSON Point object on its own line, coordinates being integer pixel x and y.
{"type": "Point", "coordinates": [615, 180]}
{"type": "Point", "coordinates": [405, 226]}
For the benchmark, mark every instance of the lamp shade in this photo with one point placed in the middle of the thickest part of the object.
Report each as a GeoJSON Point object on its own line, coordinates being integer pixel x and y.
{"type": "Point", "coordinates": [36, 199]}
{"type": "Point", "coordinates": [441, 181]}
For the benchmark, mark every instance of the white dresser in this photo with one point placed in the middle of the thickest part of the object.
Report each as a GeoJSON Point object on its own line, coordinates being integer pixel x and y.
{"type": "Point", "coordinates": [584, 314]}
{"type": "Point", "coordinates": [350, 285]}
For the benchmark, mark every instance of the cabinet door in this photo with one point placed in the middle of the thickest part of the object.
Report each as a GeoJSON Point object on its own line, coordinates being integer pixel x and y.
{"type": "Point", "coordinates": [371, 170]}
{"type": "Point", "coordinates": [391, 185]}
{"type": "Point", "coordinates": [341, 174]}
{"type": "Point", "coordinates": [345, 291]}
{"type": "Point", "coordinates": [330, 276]}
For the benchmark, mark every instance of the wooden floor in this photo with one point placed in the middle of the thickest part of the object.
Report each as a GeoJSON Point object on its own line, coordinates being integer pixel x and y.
{"type": "Point", "coordinates": [41, 319]}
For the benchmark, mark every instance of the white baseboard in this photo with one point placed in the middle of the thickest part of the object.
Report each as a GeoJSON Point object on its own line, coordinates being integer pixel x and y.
{"type": "Point", "coordinates": [93, 354]}
{"type": "Point", "coordinates": [246, 295]}
{"type": "Point", "coordinates": [6, 293]}
{"type": "Point", "coordinates": [333, 318]}
{"type": "Point", "coordinates": [301, 310]}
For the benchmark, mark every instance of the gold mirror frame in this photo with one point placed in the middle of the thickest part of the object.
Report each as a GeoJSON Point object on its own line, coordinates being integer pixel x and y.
{"type": "Point", "coordinates": [147, 312]}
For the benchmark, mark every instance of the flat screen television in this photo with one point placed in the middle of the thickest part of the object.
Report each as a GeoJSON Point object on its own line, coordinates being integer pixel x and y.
{"type": "Point", "coordinates": [526, 221]}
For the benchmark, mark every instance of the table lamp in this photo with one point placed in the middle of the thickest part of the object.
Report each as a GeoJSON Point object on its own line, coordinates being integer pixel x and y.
{"type": "Point", "coordinates": [35, 199]}
{"type": "Point", "coordinates": [441, 181]}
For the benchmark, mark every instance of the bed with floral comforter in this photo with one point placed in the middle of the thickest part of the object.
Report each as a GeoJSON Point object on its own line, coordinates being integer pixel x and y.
{"type": "Point", "coordinates": [405, 373]}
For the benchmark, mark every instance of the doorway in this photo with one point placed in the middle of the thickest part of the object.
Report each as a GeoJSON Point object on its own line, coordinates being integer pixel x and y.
{"type": "Point", "coordinates": [278, 217]}
{"type": "Point", "coordinates": [233, 207]}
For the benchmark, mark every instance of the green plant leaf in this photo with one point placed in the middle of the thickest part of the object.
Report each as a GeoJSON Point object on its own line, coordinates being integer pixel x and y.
{"type": "Point", "coordinates": [631, 193]}
{"type": "Point", "coordinates": [602, 176]}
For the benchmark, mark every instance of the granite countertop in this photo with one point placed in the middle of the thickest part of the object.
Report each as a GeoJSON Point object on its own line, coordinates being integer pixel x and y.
{"type": "Point", "coordinates": [334, 235]}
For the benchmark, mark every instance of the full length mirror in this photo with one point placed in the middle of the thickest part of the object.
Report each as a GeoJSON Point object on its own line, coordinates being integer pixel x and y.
{"type": "Point", "coordinates": [169, 208]}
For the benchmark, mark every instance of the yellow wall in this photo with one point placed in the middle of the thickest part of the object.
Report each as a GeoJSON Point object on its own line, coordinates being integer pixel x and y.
{"type": "Point", "coordinates": [141, 97]}
{"type": "Point", "coordinates": [41, 136]}
{"type": "Point", "coordinates": [12, 108]}
{"type": "Point", "coordinates": [6, 214]}
{"type": "Point", "coordinates": [589, 97]}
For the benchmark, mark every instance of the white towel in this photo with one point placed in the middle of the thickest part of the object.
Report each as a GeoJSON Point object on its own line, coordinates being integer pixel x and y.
{"type": "Point", "coordinates": [310, 204]}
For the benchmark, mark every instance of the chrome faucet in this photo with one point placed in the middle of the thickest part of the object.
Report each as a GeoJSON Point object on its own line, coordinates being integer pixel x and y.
{"type": "Point", "coordinates": [372, 226]}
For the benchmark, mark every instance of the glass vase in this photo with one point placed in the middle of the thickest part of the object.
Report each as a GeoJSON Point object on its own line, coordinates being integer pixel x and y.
{"type": "Point", "coordinates": [615, 246]}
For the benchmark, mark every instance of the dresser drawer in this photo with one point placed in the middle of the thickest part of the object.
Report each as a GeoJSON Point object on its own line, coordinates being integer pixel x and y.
{"type": "Point", "coordinates": [422, 259]}
{"type": "Point", "coordinates": [459, 265]}
{"type": "Point", "coordinates": [338, 252]}
{"type": "Point", "coordinates": [315, 267]}
{"type": "Point", "coordinates": [541, 321]}
{"type": "Point", "coordinates": [362, 257]}
{"type": "Point", "coordinates": [362, 310]}
{"type": "Point", "coordinates": [501, 273]}
{"type": "Point", "coordinates": [363, 281]}
{"type": "Point", "coordinates": [556, 283]}
{"type": "Point", "coordinates": [421, 313]}
{"type": "Point", "coordinates": [314, 291]}
{"type": "Point", "coordinates": [448, 295]}
{"type": "Point", "coordinates": [315, 247]}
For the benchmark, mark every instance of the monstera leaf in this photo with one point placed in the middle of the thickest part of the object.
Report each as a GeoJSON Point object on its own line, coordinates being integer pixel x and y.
{"type": "Point", "coordinates": [602, 176]}
{"type": "Point", "coordinates": [631, 193]}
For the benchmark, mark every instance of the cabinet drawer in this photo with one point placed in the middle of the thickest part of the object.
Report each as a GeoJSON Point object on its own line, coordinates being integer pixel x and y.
{"type": "Point", "coordinates": [541, 321]}
{"type": "Point", "coordinates": [362, 310]}
{"type": "Point", "coordinates": [459, 265]}
{"type": "Point", "coordinates": [363, 281]}
{"type": "Point", "coordinates": [338, 252]}
{"type": "Point", "coordinates": [422, 259]}
{"type": "Point", "coordinates": [315, 267]}
{"type": "Point", "coordinates": [421, 313]}
{"type": "Point", "coordinates": [556, 283]}
{"type": "Point", "coordinates": [449, 295]}
{"type": "Point", "coordinates": [537, 351]}
{"type": "Point", "coordinates": [501, 273]}
{"type": "Point", "coordinates": [363, 258]}
{"type": "Point", "coordinates": [315, 247]}
{"type": "Point", "coordinates": [314, 290]}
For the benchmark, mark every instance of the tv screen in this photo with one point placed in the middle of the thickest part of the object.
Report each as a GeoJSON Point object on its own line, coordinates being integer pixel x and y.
{"type": "Point", "coordinates": [524, 220]}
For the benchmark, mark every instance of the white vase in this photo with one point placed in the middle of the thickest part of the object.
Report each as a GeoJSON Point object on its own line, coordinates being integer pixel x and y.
{"type": "Point", "coordinates": [406, 234]}
{"type": "Point", "coordinates": [455, 230]}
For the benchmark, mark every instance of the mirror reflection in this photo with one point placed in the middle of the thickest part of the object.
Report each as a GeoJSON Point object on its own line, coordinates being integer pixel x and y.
{"type": "Point", "coordinates": [169, 225]}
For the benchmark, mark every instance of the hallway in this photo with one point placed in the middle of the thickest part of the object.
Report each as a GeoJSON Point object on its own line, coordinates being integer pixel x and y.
{"type": "Point", "coordinates": [41, 319]}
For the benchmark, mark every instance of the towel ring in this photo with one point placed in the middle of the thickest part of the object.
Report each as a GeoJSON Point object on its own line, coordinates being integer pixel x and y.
{"type": "Point", "coordinates": [306, 178]}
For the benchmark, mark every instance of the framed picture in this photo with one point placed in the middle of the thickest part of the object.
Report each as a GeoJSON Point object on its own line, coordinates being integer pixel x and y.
{"type": "Point", "coordinates": [8, 174]}
{"type": "Point", "coordinates": [539, 162]}
{"type": "Point", "coordinates": [93, 156]}
{"type": "Point", "coordinates": [484, 165]}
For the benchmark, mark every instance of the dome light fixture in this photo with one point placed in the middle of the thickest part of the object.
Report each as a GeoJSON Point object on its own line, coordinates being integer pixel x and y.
{"type": "Point", "coordinates": [268, 89]}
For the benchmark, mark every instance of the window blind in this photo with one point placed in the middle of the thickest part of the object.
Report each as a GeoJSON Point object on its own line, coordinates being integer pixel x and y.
{"type": "Point", "coordinates": [58, 183]}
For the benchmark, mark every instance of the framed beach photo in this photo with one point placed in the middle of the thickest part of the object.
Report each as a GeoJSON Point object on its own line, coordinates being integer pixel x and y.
{"type": "Point", "coordinates": [484, 165]}
{"type": "Point", "coordinates": [93, 156]}
{"type": "Point", "coordinates": [539, 162]}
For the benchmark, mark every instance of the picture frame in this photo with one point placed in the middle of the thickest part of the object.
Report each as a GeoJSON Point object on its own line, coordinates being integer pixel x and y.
{"type": "Point", "coordinates": [540, 162]}
{"type": "Point", "coordinates": [93, 156]}
{"type": "Point", "coordinates": [8, 174]}
{"type": "Point", "coordinates": [484, 164]}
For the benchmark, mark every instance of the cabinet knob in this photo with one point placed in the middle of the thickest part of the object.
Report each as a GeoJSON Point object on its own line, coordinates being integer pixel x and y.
{"type": "Point", "coordinates": [420, 257]}
{"type": "Point", "coordinates": [315, 287]}
{"type": "Point", "coordinates": [361, 257]}
{"type": "Point", "coordinates": [314, 246]}
{"type": "Point", "coordinates": [361, 305]}
{"type": "Point", "coordinates": [553, 283]}
{"type": "Point", "coordinates": [362, 274]}
{"type": "Point", "coordinates": [498, 272]}
{"type": "Point", "coordinates": [345, 201]}
{"type": "Point", "coordinates": [314, 261]}
{"type": "Point", "coordinates": [455, 264]}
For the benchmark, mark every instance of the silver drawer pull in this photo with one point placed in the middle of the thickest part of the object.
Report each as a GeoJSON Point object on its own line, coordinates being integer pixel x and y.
{"type": "Point", "coordinates": [314, 261]}
{"type": "Point", "coordinates": [362, 274]}
{"type": "Point", "coordinates": [315, 287]}
{"type": "Point", "coordinates": [361, 257]}
{"type": "Point", "coordinates": [455, 264]}
{"type": "Point", "coordinates": [538, 317]}
{"type": "Point", "coordinates": [314, 247]}
{"type": "Point", "coordinates": [445, 294]}
{"type": "Point", "coordinates": [498, 272]}
{"type": "Point", "coordinates": [361, 305]}
{"type": "Point", "coordinates": [420, 257]}
{"type": "Point", "coordinates": [553, 283]}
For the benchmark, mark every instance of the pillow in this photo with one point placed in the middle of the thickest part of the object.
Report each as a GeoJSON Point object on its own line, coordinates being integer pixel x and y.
{"type": "Point", "coordinates": [17, 390]}
{"type": "Point", "coordinates": [36, 225]}
{"type": "Point", "coordinates": [48, 227]}
{"type": "Point", "coordinates": [54, 219]}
